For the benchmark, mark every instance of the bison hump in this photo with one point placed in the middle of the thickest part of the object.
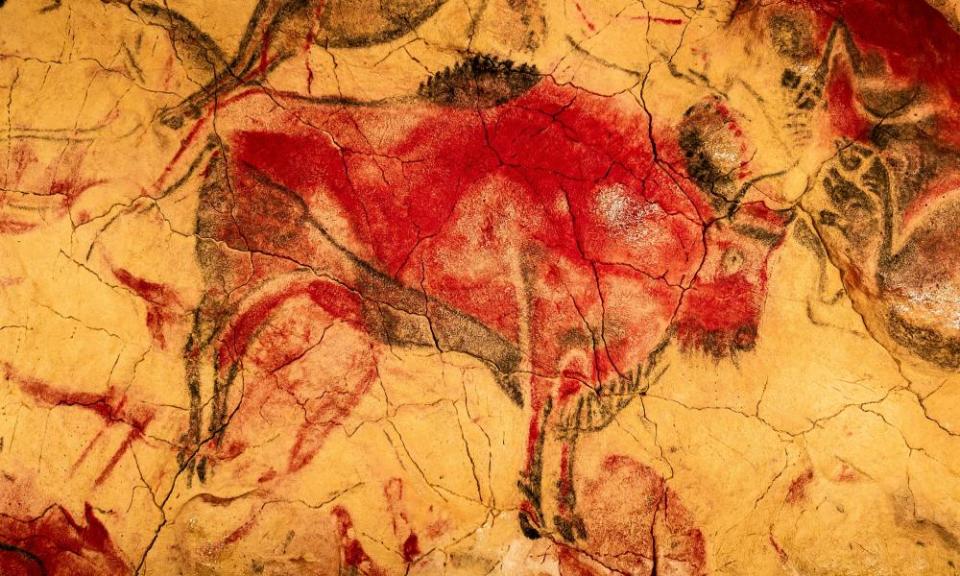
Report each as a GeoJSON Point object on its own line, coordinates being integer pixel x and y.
{"type": "Point", "coordinates": [480, 81]}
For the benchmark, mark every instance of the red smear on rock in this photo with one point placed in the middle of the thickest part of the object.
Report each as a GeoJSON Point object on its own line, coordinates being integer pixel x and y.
{"type": "Point", "coordinates": [352, 553]}
{"type": "Point", "coordinates": [847, 474]}
{"type": "Point", "coordinates": [55, 544]}
{"type": "Point", "coordinates": [162, 302]}
{"type": "Point", "coordinates": [110, 406]}
{"type": "Point", "coordinates": [634, 523]}
{"type": "Point", "coordinates": [411, 548]}
{"type": "Point", "coordinates": [798, 488]}
{"type": "Point", "coordinates": [781, 553]}
{"type": "Point", "coordinates": [12, 226]}
{"type": "Point", "coordinates": [845, 115]}
{"type": "Point", "coordinates": [393, 491]}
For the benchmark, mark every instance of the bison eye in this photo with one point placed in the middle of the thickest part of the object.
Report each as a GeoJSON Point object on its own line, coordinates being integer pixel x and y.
{"type": "Point", "coordinates": [828, 218]}
{"type": "Point", "coordinates": [731, 262]}
{"type": "Point", "coordinates": [850, 160]}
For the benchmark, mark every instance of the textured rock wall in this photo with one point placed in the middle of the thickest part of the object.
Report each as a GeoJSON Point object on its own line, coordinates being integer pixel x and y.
{"type": "Point", "coordinates": [576, 287]}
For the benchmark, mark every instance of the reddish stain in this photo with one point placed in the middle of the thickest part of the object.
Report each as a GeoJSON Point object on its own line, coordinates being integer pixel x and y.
{"type": "Point", "coordinates": [22, 156]}
{"type": "Point", "coordinates": [411, 548]}
{"type": "Point", "coordinates": [352, 553]}
{"type": "Point", "coordinates": [393, 490]}
{"type": "Point", "coordinates": [437, 528]}
{"type": "Point", "coordinates": [267, 476]}
{"type": "Point", "coordinates": [634, 523]}
{"type": "Point", "coordinates": [847, 474]}
{"type": "Point", "coordinates": [798, 488]}
{"type": "Point", "coordinates": [242, 531]}
{"type": "Point", "coordinates": [55, 544]}
{"type": "Point", "coordinates": [585, 18]}
{"type": "Point", "coordinates": [70, 188]}
{"type": "Point", "coordinates": [845, 115]}
{"type": "Point", "coordinates": [12, 226]}
{"type": "Point", "coordinates": [162, 302]}
{"type": "Point", "coordinates": [781, 553]}
{"type": "Point", "coordinates": [667, 21]}
{"type": "Point", "coordinates": [110, 406]}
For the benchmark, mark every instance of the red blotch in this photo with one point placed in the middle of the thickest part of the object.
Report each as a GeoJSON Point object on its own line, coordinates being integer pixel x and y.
{"type": "Point", "coordinates": [845, 115]}
{"type": "Point", "coordinates": [847, 474]}
{"type": "Point", "coordinates": [798, 488]}
{"type": "Point", "coordinates": [161, 302]}
{"type": "Point", "coordinates": [781, 553]}
{"type": "Point", "coordinates": [352, 553]}
{"type": "Point", "coordinates": [411, 548]}
{"type": "Point", "coordinates": [55, 544]}
{"type": "Point", "coordinates": [631, 518]}
{"type": "Point", "coordinates": [110, 406]}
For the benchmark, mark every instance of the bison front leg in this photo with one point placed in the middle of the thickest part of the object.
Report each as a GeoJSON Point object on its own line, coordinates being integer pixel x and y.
{"type": "Point", "coordinates": [196, 357]}
{"type": "Point", "coordinates": [531, 478]}
{"type": "Point", "coordinates": [550, 403]}
{"type": "Point", "coordinates": [546, 427]}
{"type": "Point", "coordinates": [190, 441]}
{"type": "Point", "coordinates": [568, 523]}
{"type": "Point", "coordinates": [564, 409]}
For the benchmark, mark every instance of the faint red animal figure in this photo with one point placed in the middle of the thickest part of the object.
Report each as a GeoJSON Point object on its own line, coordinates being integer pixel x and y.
{"type": "Point", "coordinates": [40, 185]}
{"type": "Point", "coordinates": [547, 231]}
{"type": "Point", "coordinates": [636, 525]}
{"type": "Point", "coordinates": [55, 544]}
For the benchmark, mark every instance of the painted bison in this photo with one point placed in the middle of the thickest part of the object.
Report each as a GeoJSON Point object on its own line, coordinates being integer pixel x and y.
{"type": "Point", "coordinates": [556, 235]}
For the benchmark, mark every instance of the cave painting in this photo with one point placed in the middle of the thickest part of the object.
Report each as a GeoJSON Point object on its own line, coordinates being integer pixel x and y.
{"type": "Point", "coordinates": [503, 287]}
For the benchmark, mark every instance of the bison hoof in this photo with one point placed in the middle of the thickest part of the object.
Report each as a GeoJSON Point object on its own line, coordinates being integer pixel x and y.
{"type": "Point", "coordinates": [529, 526]}
{"type": "Point", "coordinates": [570, 528]}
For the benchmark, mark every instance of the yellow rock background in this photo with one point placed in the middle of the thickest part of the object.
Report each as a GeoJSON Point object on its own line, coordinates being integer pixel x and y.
{"type": "Point", "coordinates": [818, 453]}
